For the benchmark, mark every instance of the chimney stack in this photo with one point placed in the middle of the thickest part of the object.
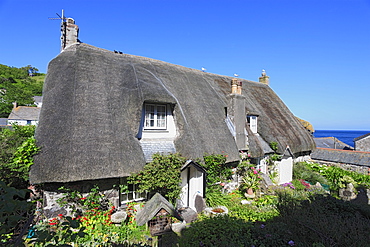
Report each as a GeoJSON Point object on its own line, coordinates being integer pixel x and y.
{"type": "Point", "coordinates": [15, 104]}
{"type": "Point", "coordinates": [264, 78]}
{"type": "Point", "coordinates": [236, 113]}
{"type": "Point", "coordinates": [69, 33]}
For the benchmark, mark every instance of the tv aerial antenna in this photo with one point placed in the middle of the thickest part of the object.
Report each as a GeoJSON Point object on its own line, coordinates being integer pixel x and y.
{"type": "Point", "coordinates": [63, 29]}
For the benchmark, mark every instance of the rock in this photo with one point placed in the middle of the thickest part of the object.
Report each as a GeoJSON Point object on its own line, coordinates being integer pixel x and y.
{"type": "Point", "coordinates": [243, 202]}
{"type": "Point", "coordinates": [118, 217]}
{"type": "Point", "coordinates": [200, 203]}
{"type": "Point", "coordinates": [178, 227]}
{"type": "Point", "coordinates": [348, 193]}
{"type": "Point", "coordinates": [188, 214]}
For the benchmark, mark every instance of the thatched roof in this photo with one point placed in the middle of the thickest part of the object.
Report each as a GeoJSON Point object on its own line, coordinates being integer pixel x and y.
{"type": "Point", "coordinates": [342, 156]}
{"type": "Point", "coordinates": [92, 107]}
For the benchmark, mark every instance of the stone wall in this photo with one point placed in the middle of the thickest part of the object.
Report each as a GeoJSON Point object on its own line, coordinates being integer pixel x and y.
{"type": "Point", "coordinates": [52, 193]}
{"type": "Point", "coordinates": [350, 167]}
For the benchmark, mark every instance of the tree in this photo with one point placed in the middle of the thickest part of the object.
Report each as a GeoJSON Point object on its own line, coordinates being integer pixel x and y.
{"type": "Point", "coordinates": [17, 86]}
{"type": "Point", "coordinates": [17, 146]}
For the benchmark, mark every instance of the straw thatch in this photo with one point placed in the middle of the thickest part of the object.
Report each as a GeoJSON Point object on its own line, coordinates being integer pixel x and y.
{"type": "Point", "coordinates": [92, 108]}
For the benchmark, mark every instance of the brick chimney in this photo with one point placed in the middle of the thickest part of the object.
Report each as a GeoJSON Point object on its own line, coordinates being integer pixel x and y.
{"type": "Point", "coordinates": [264, 78]}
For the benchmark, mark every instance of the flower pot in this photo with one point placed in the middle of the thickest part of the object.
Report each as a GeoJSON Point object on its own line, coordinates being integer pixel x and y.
{"type": "Point", "coordinates": [250, 191]}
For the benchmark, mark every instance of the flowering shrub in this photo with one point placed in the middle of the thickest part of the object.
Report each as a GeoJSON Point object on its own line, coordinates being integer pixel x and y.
{"type": "Point", "coordinates": [91, 225]}
{"type": "Point", "coordinates": [251, 176]}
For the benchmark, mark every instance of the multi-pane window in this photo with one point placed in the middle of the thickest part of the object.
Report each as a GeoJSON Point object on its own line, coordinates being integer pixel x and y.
{"type": "Point", "coordinates": [131, 194]}
{"type": "Point", "coordinates": [155, 116]}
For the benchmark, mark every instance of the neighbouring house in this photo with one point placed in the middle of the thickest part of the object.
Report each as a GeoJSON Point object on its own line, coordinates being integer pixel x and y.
{"type": "Point", "coordinates": [24, 115]}
{"type": "Point", "coordinates": [3, 122]}
{"type": "Point", "coordinates": [331, 142]}
{"type": "Point", "coordinates": [347, 159]}
{"type": "Point", "coordinates": [105, 113]}
{"type": "Point", "coordinates": [362, 143]}
{"type": "Point", "coordinates": [37, 101]}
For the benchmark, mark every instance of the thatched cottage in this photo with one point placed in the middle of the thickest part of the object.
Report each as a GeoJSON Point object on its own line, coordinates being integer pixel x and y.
{"type": "Point", "coordinates": [105, 113]}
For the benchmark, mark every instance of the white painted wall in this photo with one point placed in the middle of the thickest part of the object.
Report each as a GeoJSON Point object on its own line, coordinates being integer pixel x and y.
{"type": "Point", "coordinates": [285, 169]}
{"type": "Point", "coordinates": [22, 122]}
{"type": "Point", "coordinates": [190, 189]}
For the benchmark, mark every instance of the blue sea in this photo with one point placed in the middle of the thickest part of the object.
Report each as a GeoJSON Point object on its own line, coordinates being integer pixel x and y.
{"type": "Point", "coordinates": [345, 136]}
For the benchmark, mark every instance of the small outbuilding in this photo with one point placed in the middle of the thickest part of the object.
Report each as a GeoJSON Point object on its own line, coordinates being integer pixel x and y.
{"type": "Point", "coordinates": [193, 185]}
{"type": "Point", "coordinates": [157, 212]}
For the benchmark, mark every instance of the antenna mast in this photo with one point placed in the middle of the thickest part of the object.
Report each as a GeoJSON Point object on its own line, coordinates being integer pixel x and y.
{"type": "Point", "coordinates": [69, 31]}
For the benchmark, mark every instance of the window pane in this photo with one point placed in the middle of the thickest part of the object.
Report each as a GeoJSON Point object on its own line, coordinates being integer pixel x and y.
{"type": "Point", "coordinates": [130, 196]}
{"type": "Point", "coordinates": [124, 197]}
{"type": "Point", "coordinates": [155, 116]}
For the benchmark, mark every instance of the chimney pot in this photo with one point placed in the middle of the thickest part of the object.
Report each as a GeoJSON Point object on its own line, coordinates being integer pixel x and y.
{"type": "Point", "coordinates": [234, 86]}
{"type": "Point", "coordinates": [265, 79]}
{"type": "Point", "coordinates": [239, 88]}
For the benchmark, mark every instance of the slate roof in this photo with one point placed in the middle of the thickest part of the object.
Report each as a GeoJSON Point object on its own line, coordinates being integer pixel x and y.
{"type": "Point", "coordinates": [3, 121]}
{"type": "Point", "coordinates": [331, 142]}
{"type": "Point", "coordinates": [361, 137]}
{"type": "Point", "coordinates": [24, 113]}
{"type": "Point", "coordinates": [92, 103]}
{"type": "Point", "coordinates": [152, 207]}
{"type": "Point", "coordinates": [342, 156]}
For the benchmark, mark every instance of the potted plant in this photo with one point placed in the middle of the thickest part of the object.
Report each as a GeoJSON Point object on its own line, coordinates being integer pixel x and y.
{"type": "Point", "coordinates": [250, 181]}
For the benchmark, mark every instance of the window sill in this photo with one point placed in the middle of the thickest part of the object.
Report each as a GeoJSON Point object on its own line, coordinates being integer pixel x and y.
{"type": "Point", "coordinates": [156, 131]}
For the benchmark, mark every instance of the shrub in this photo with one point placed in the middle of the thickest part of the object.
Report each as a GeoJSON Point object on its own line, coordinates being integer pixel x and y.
{"type": "Point", "coordinates": [216, 169]}
{"type": "Point", "coordinates": [17, 146]}
{"type": "Point", "coordinates": [321, 220]}
{"type": "Point", "coordinates": [162, 175]}
{"type": "Point", "coordinates": [14, 210]}
{"type": "Point", "coordinates": [220, 230]}
{"type": "Point", "coordinates": [302, 170]}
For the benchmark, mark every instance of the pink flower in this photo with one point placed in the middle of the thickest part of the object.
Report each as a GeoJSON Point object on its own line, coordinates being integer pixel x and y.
{"type": "Point", "coordinates": [255, 171]}
{"type": "Point", "coordinates": [222, 184]}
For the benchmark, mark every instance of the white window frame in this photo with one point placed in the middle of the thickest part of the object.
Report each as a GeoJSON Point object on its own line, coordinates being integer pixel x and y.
{"type": "Point", "coordinates": [131, 195]}
{"type": "Point", "coordinates": [253, 123]}
{"type": "Point", "coordinates": [152, 120]}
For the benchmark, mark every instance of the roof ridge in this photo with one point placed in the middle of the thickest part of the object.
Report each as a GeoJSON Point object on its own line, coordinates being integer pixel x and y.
{"type": "Point", "coordinates": [157, 61]}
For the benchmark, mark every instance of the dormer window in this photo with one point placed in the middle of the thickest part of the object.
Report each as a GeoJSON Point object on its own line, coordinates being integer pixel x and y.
{"type": "Point", "coordinates": [252, 121]}
{"type": "Point", "coordinates": [155, 116]}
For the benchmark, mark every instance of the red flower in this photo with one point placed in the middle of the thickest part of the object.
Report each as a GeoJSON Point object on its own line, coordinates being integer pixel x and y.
{"type": "Point", "coordinates": [52, 223]}
{"type": "Point", "coordinates": [60, 215]}
{"type": "Point", "coordinates": [83, 198]}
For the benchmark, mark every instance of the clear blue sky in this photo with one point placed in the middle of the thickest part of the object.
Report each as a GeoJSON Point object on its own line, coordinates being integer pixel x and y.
{"type": "Point", "coordinates": [316, 52]}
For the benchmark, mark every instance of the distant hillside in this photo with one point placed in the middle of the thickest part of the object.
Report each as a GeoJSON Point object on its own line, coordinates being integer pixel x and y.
{"type": "Point", "coordinates": [18, 85]}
